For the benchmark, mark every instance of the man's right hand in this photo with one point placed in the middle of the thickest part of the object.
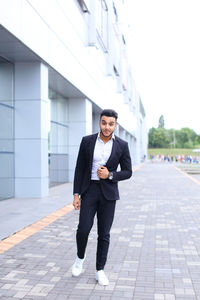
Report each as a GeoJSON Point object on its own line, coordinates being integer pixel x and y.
{"type": "Point", "coordinates": [76, 202]}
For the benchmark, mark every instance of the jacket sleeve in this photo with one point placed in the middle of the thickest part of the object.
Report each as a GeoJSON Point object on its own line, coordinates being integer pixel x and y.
{"type": "Point", "coordinates": [79, 169]}
{"type": "Point", "coordinates": [125, 164]}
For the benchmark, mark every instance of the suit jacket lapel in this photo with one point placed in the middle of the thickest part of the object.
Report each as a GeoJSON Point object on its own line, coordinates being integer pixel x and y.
{"type": "Point", "coordinates": [112, 151]}
{"type": "Point", "coordinates": [91, 149]}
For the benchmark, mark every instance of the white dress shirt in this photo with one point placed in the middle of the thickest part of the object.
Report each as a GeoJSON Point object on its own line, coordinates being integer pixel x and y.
{"type": "Point", "coordinates": [102, 152]}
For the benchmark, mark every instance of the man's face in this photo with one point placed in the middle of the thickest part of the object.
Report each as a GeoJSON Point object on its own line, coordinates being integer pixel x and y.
{"type": "Point", "coordinates": [107, 125]}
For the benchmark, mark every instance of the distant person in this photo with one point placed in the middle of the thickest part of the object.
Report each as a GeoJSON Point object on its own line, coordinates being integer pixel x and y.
{"type": "Point", "coordinates": [152, 156]}
{"type": "Point", "coordinates": [96, 188]}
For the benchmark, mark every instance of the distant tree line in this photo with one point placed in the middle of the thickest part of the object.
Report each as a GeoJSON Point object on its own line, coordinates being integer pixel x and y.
{"type": "Point", "coordinates": [172, 138]}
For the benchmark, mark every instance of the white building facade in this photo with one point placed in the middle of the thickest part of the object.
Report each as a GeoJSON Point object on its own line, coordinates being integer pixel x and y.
{"type": "Point", "coordinates": [61, 63]}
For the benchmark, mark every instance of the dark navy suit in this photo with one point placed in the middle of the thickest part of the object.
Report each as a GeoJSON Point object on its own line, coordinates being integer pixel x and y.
{"type": "Point", "coordinates": [99, 196]}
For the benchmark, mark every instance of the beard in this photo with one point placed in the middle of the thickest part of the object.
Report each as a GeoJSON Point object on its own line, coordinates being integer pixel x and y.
{"type": "Point", "coordinates": [106, 136]}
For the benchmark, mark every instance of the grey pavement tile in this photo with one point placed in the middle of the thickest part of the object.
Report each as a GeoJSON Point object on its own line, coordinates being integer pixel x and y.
{"type": "Point", "coordinates": [10, 293]}
{"type": "Point", "coordinates": [54, 296]}
{"type": "Point", "coordinates": [112, 298]}
{"type": "Point", "coordinates": [143, 296]}
{"type": "Point", "coordinates": [6, 298]}
{"type": "Point", "coordinates": [186, 297]}
{"type": "Point", "coordinates": [35, 297]}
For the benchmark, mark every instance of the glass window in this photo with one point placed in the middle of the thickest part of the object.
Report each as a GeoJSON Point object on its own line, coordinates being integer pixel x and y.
{"type": "Point", "coordinates": [58, 139]}
{"type": "Point", "coordinates": [102, 23]}
{"type": "Point", "coordinates": [6, 130]}
{"type": "Point", "coordinates": [6, 82]}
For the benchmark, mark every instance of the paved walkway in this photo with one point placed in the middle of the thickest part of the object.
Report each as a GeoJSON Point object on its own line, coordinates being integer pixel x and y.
{"type": "Point", "coordinates": [17, 213]}
{"type": "Point", "coordinates": [154, 251]}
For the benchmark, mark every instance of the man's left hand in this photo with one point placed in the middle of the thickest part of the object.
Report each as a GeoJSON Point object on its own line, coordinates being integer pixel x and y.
{"type": "Point", "coordinates": [102, 172]}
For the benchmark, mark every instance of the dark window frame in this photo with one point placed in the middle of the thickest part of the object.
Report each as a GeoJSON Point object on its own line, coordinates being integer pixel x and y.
{"type": "Point", "coordinates": [83, 6]}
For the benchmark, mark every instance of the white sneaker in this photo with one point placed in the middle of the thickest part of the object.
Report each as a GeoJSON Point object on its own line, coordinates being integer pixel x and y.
{"type": "Point", "coordinates": [77, 266]}
{"type": "Point", "coordinates": [102, 278]}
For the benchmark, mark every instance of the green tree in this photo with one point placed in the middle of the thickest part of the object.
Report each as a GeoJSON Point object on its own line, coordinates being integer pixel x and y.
{"type": "Point", "coordinates": [186, 137]}
{"type": "Point", "coordinates": [161, 122]}
{"type": "Point", "coordinates": [152, 132]}
{"type": "Point", "coordinates": [172, 138]}
{"type": "Point", "coordinates": [162, 138]}
{"type": "Point", "coordinates": [159, 138]}
{"type": "Point", "coordinates": [197, 140]}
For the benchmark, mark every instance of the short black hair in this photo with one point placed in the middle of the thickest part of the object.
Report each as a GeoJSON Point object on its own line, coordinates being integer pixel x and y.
{"type": "Point", "coordinates": [109, 113]}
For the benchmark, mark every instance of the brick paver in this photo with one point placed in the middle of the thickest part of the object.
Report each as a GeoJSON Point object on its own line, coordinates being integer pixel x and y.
{"type": "Point", "coordinates": [154, 252]}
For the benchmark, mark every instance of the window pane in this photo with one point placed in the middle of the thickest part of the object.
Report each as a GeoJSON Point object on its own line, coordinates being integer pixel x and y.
{"type": "Point", "coordinates": [6, 83]}
{"type": "Point", "coordinates": [58, 139]}
{"type": "Point", "coordinates": [102, 23]}
{"type": "Point", "coordinates": [6, 130]}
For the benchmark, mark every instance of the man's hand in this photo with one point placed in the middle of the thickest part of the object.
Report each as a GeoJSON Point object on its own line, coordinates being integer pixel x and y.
{"type": "Point", "coordinates": [102, 172]}
{"type": "Point", "coordinates": [76, 202]}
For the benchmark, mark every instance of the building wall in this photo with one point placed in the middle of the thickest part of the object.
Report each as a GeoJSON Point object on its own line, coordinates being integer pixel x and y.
{"type": "Point", "coordinates": [31, 129]}
{"type": "Point", "coordinates": [68, 65]}
{"type": "Point", "coordinates": [60, 36]}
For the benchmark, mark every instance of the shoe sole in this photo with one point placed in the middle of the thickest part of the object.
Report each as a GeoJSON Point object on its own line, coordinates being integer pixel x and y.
{"type": "Point", "coordinates": [75, 275]}
{"type": "Point", "coordinates": [101, 284]}
{"type": "Point", "coordinates": [78, 274]}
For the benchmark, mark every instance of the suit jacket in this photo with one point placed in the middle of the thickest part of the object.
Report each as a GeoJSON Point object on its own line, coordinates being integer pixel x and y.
{"type": "Point", "coordinates": [119, 156]}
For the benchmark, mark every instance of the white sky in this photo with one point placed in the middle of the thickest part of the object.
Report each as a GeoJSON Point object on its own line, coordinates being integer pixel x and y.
{"type": "Point", "coordinates": [165, 55]}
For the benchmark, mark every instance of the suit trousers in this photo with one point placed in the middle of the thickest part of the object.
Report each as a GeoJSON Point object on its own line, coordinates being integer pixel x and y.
{"type": "Point", "coordinates": [93, 202]}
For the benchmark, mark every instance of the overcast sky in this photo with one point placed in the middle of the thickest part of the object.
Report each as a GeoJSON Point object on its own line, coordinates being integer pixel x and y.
{"type": "Point", "coordinates": [165, 55]}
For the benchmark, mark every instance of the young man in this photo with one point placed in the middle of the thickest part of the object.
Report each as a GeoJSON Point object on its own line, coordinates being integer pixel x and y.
{"type": "Point", "coordinates": [96, 188]}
